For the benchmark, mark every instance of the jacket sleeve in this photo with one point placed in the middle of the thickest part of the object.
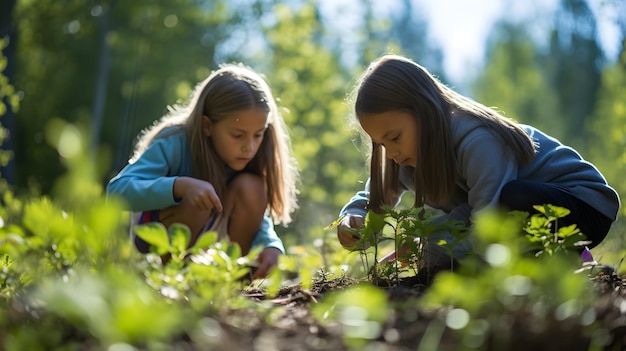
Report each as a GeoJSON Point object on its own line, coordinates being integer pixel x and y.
{"type": "Point", "coordinates": [148, 183]}
{"type": "Point", "coordinates": [358, 203]}
{"type": "Point", "coordinates": [267, 237]}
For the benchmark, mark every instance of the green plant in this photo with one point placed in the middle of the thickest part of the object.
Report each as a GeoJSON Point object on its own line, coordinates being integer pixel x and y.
{"type": "Point", "coordinates": [203, 273]}
{"type": "Point", "coordinates": [412, 232]}
{"type": "Point", "coordinates": [112, 305]}
{"type": "Point", "coordinates": [70, 276]}
{"type": "Point", "coordinates": [508, 286]}
{"type": "Point", "coordinates": [546, 237]}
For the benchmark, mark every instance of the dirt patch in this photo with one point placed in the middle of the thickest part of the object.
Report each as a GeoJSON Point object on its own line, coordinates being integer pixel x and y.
{"type": "Point", "coordinates": [292, 326]}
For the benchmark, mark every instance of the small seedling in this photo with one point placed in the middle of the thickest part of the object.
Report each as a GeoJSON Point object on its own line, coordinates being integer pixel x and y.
{"type": "Point", "coordinates": [547, 238]}
{"type": "Point", "coordinates": [413, 232]}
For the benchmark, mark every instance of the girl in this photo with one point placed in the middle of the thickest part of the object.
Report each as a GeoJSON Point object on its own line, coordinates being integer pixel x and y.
{"type": "Point", "coordinates": [222, 162]}
{"type": "Point", "coordinates": [460, 156]}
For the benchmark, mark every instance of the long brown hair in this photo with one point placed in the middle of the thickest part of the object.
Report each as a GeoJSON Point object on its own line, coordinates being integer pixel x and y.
{"type": "Point", "coordinates": [395, 83]}
{"type": "Point", "coordinates": [230, 89]}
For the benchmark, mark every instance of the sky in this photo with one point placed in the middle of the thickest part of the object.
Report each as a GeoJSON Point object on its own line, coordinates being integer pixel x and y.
{"type": "Point", "coordinates": [461, 27]}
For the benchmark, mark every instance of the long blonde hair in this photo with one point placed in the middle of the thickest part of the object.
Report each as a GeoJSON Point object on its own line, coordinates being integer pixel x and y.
{"type": "Point", "coordinates": [230, 89]}
{"type": "Point", "coordinates": [395, 83]}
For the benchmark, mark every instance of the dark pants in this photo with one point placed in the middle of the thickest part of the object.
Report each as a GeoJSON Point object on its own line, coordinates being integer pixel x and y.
{"type": "Point", "coordinates": [523, 194]}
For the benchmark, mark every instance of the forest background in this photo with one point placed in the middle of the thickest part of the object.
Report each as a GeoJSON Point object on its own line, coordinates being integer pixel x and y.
{"type": "Point", "coordinates": [112, 68]}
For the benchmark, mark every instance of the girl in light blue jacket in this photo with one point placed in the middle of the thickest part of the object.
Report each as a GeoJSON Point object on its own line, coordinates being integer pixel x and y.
{"type": "Point", "coordinates": [221, 162]}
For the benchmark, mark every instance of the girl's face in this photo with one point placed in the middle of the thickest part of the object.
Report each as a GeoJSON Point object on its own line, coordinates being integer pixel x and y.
{"type": "Point", "coordinates": [237, 138]}
{"type": "Point", "coordinates": [396, 131]}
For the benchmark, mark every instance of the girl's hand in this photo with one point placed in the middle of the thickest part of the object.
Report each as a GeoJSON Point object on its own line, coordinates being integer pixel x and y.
{"type": "Point", "coordinates": [346, 237]}
{"type": "Point", "coordinates": [268, 258]}
{"type": "Point", "coordinates": [199, 193]}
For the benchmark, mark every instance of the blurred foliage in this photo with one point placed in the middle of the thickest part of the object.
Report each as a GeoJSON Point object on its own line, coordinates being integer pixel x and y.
{"type": "Point", "coordinates": [360, 310]}
{"type": "Point", "coordinates": [608, 129]}
{"type": "Point", "coordinates": [525, 94]}
{"type": "Point", "coordinates": [157, 53]}
{"type": "Point", "coordinates": [513, 287]}
{"type": "Point", "coordinates": [71, 278]}
{"type": "Point", "coordinates": [573, 67]}
{"type": "Point", "coordinates": [9, 102]}
{"type": "Point", "coordinates": [310, 83]}
{"type": "Point", "coordinates": [528, 281]}
{"type": "Point", "coordinates": [553, 86]}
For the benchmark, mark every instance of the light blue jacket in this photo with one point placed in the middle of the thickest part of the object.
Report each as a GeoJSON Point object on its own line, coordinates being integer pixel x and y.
{"type": "Point", "coordinates": [148, 183]}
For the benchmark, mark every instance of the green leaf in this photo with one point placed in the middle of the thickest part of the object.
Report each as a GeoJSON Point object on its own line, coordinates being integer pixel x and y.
{"type": "Point", "coordinates": [336, 223]}
{"type": "Point", "coordinates": [552, 212]}
{"type": "Point", "coordinates": [205, 240]}
{"type": "Point", "coordinates": [374, 223]}
{"type": "Point", "coordinates": [543, 209]}
{"type": "Point", "coordinates": [568, 231]}
{"type": "Point", "coordinates": [239, 273]}
{"type": "Point", "coordinates": [233, 250]}
{"type": "Point", "coordinates": [536, 222]}
{"type": "Point", "coordinates": [570, 241]}
{"type": "Point", "coordinates": [180, 236]}
{"type": "Point", "coordinates": [535, 238]}
{"type": "Point", "coordinates": [558, 212]}
{"type": "Point", "coordinates": [155, 234]}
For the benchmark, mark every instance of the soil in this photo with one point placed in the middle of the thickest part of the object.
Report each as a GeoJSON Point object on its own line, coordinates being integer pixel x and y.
{"type": "Point", "coordinates": [293, 327]}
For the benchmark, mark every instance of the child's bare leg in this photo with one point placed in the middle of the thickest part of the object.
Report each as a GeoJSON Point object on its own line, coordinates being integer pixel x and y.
{"type": "Point", "coordinates": [186, 214]}
{"type": "Point", "coordinates": [245, 206]}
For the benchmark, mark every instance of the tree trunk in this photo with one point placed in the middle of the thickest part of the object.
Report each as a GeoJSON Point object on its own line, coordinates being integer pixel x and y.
{"type": "Point", "coordinates": [7, 31]}
{"type": "Point", "coordinates": [104, 67]}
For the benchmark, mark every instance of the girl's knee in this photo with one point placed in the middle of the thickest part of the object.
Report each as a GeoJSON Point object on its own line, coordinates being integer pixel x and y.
{"type": "Point", "coordinates": [248, 188]}
{"type": "Point", "coordinates": [187, 214]}
{"type": "Point", "coordinates": [247, 202]}
{"type": "Point", "coordinates": [516, 195]}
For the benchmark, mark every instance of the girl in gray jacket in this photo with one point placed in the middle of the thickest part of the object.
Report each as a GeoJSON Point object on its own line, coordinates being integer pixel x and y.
{"type": "Point", "coordinates": [461, 157]}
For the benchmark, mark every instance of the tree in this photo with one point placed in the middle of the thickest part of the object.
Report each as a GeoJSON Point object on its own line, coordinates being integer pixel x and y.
{"type": "Point", "coordinates": [410, 30]}
{"type": "Point", "coordinates": [573, 66]}
{"type": "Point", "coordinates": [513, 81]}
{"type": "Point", "coordinates": [7, 67]}
{"type": "Point", "coordinates": [157, 52]}
{"type": "Point", "coordinates": [607, 125]}
{"type": "Point", "coordinates": [311, 86]}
